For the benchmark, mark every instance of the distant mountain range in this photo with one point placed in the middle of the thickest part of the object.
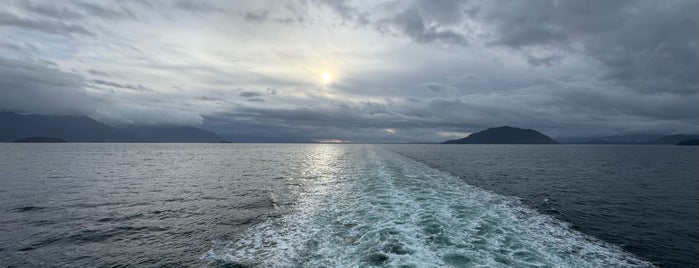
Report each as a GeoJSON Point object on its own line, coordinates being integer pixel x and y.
{"type": "Point", "coordinates": [689, 142]}
{"type": "Point", "coordinates": [14, 126]}
{"type": "Point", "coordinates": [53, 128]}
{"type": "Point", "coordinates": [505, 135]}
{"type": "Point", "coordinates": [672, 139]}
{"type": "Point", "coordinates": [512, 135]}
{"type": "Point", "coordinates": [40, 140]}
{"type": "Point", "coordinates": [633, 139]}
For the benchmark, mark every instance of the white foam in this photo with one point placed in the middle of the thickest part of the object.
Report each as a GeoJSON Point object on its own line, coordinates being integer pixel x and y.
{"type": "Point", "coordinates": [365, 206]}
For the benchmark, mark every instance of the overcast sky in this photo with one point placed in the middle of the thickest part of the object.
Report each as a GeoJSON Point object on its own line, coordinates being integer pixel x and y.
{"type": "Point", "coordinates": [397, 71]}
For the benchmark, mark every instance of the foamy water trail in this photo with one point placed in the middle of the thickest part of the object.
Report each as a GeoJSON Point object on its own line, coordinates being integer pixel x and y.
{"type": "Point", "coordinates": [365, 206]}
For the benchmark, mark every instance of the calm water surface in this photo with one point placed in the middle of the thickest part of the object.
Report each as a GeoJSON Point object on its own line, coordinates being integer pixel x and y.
{"type": "Point", "coordinates": [315, 205]}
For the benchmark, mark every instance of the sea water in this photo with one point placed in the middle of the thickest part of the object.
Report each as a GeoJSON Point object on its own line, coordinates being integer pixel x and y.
{"type": "Point", "coordinates": [304, 205]}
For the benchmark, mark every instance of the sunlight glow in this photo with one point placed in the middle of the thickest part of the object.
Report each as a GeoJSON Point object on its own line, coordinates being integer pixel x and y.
{"type": "Point", "coordinates": [326, 78]}
{"type": "Point", "coordinates": [331, 141]}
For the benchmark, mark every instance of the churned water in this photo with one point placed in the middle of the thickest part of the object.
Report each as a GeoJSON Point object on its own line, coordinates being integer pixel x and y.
{"type": "Point", "coordinates": [643, 198]}
{"type": "Point", "coordinates": [287, 205]}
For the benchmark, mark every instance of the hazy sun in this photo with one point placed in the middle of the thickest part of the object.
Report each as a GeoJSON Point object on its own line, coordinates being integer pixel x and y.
{"type": "Point", "coordinates": [326, 78]}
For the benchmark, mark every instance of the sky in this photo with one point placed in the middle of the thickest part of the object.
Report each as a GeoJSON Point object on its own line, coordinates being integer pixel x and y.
{"type": "Point", "coordinates": [357, 71]}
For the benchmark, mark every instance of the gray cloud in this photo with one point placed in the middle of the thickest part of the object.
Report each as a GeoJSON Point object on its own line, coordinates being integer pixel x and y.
{"type": "Point", "coordinates": [625, 36]}
{"type": "Point", "coordinates": [100, 82]}
{"type": "Point", "coordinates": [258, 16]}
{"type": "Point", "coordinates": [35, 87]}
{"type": "Point", "coordinates": [50, 10]}
{"type": "Point", "coordinates": [547, 60]}
{"type": "Point", "coordinates": [418, 68]}
{"type": "Point", "coordinates": [249, 94]}
{"type": "Point", "coordinates": [646, 45]}
{"type": "Point", "coordinates": [196, 6]}
{"type": "Point", "coordinates": [98, 73]}
{"type": "Point", "coordinates": [349, 13]}
{"type": "Point", "coordinates": [42, 25]}
{"type": "Point", "coordinates": [412, 24]}
{"type": "Point", "coordinates": [291, 12]}
{"type": "Point", "coordinates": [112, 12]}
{"type": "Point", "coordinates": [30, 86]}
{"type": "Point", "coordinates": [439, 88]}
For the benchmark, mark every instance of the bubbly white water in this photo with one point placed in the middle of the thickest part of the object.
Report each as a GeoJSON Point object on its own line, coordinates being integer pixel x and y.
{"type": "Point", "coordinates": [365, 206]}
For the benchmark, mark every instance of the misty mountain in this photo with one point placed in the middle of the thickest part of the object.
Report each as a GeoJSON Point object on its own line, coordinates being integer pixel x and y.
{"type": "Point", "coordinates": [264, 139]}
{"type": "Point", "coordinates": [672, 139]}
{"type": "Point", "coordinates": [505, 135]}
{"type": "Point", "coordinates": [631, 139]}
{"type": "Point", "coordinates": [618, 139]}
{"type": "Point", "coordinates": [171, 134]}
{"type": "Point", "coordinates": [15, 126]}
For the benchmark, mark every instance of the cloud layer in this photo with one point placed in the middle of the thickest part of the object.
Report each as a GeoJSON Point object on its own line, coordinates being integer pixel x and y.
{"type": "Point", "coordinates": [402, 71]}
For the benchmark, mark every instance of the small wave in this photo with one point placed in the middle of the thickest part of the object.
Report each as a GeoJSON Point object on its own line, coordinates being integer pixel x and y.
{"type": "Point", "coordinates": [101, 235]}
{"type": "Point", "coordinates": [96, 205]}
{"type": "Point", "coordinates": [28, 208]}
{"type": "Point", "coordinates": [121, 219]}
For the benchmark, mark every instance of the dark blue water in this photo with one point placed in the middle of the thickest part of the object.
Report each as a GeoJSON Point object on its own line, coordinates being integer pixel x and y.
{"type": "Point", "coordinates": [312, 205]}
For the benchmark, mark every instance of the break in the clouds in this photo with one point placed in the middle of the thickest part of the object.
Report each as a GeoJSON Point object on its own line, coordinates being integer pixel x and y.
{"type": "Point", "coordinates": [363, 71]}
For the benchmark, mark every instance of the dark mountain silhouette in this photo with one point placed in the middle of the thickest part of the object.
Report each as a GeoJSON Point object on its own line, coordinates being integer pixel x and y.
{"type": "Point", "coordinates": [15, 126]}
{"type": "Point", "coordinates": [689, 142]}
{"type": "Point", "coordinates": [672, 139]}
{"type": "Point", "coordinates": [69, 128]}
{"type": "Point", "coordinates": [505, 135]}
{"type": "Point", "coordinates": [40, 139]}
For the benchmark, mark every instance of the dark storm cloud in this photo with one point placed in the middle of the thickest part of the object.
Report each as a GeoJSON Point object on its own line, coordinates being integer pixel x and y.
{"type": "Point", "coordinates": [648, 45]}
{"type": "Point", "coordinates": [558, 108]}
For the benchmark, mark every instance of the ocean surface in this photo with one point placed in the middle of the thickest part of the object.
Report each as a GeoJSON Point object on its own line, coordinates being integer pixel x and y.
{"type": "Point", "coordinates": [326, 205]}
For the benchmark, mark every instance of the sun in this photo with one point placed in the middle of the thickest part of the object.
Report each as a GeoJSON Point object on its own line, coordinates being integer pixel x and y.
{"type": "Point", "coordinates": [326, 78]}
